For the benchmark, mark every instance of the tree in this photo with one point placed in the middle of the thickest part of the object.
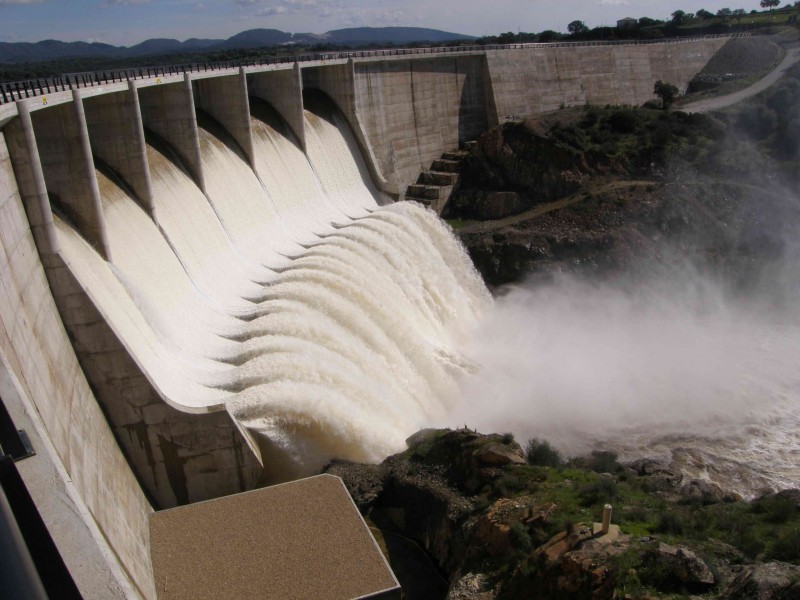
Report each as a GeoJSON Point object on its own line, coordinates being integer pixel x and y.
{"type": "Point", "coordinates": [548, 35]}
{"type": "Point", "coordinates": [725, 13]}
{"type": "Point", "coordinates": [577, 27]}
{"type": "Point", "coordinates": [678, 16]}
{"type": "Point", "coordinates": [704, 14]}
{"type": "Point", "coordinates": [770, 4]}
{"type": "Point", "coordinates": [738, 14]}
{"type": "Point", "coordinates": [666, 91]}
{"type": "Point", "coordinates": [506, 38]}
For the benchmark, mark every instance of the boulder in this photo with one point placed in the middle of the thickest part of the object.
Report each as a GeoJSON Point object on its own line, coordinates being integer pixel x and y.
{"type": "Point", "coordinates": [492, 532]}
{"type": "Point", "coordinates": [766, 581]}
{"type": "Point", "coordinates": [472, 586]}
{"type": "Point", "coordinates": [499, 455]}
{"type": "Point", "coordinates": [682, 567]}
{"type": "Point", "coordinates": [421, 436]}
{"type": "Point", "coordinates": [704, 491]}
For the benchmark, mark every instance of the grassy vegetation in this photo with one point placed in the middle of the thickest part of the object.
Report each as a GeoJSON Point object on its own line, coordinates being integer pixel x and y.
{"type": "Point", "coordinates": [639, 137]}
{"type": "Point", "coordinates": [767, 528]}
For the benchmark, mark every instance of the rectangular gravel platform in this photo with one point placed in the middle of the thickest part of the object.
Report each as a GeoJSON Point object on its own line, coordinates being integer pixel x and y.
{"type": "Point", "coordinates": [302, 540]}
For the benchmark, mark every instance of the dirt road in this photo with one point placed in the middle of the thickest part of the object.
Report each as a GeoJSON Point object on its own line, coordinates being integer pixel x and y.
{"type": "Point", "coordinates": [792, 57]}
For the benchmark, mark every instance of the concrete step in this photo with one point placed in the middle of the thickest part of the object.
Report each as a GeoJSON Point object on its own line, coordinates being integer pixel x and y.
{"type": "Point", "coordinates": [437, 178]}
{"type": "Point", "coordinates": [458, 155]}
{"type": "Point", "coordinates": [419, 191]}
{"type": "Point", "coordinates": [445, 165]}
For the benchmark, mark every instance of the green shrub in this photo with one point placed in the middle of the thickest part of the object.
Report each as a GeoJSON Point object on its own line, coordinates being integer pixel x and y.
{"type": "Point", "coordinates": [633, 514]}
{"type": "Point", "coordinates": [569, 136]}
{"type": "Point", "coordinates": [670, 523]}
{"type": "Point", "coordinates": [508, 484]}
{"type": "Point", "coordinates": [603, 490]}
{"type": "Point", "coordinates": [747, 541]}
{"type": "Point", "coordinates": [541, 453]}
{"type": "Point", "coordinates": [520, 538]}
{"type": "Point", "coordinates": [603, 461]}
{"type": "Point", "coordinates": [624, 121]}
{"type": "Point", "coordinates": [786, 546]}
{"type": "Point", "coordinates": [775, 509]}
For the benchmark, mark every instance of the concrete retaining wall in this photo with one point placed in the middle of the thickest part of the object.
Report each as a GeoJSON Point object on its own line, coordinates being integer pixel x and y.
{"type": "Point", "coordinates": [413, 110]}
{"type": "Point", "coordinates": [540, 79]}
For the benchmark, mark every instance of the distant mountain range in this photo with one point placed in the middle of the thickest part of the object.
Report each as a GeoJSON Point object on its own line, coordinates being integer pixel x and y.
{"type": "Point", "coordinates": [19, 52]}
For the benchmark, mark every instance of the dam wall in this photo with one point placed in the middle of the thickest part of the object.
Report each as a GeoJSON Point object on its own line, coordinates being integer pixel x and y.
{"type": "Point", "coordinates": [71, 159]}
{"type": "Point", "coordinates": [540, 79]}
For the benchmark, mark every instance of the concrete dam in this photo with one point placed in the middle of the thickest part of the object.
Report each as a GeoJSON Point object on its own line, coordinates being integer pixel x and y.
{"type": "Point", "coordinates": [207, 282]}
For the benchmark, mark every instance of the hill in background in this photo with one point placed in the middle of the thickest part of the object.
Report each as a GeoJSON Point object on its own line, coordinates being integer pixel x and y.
{"type": "Point", "coordinates": [48, 50]}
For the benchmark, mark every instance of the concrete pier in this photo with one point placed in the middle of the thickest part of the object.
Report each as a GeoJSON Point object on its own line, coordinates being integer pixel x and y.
{"type": "Point", "coordinates": [114, 123]}
{"type": "Point", "coordinates": [168, 111]}
{"type": "Point", "coordinates": [283, 89]}
{"type": "Point", "coordinates": [66, 161]}
{"type": "Point", "coordinates": [225, 99]}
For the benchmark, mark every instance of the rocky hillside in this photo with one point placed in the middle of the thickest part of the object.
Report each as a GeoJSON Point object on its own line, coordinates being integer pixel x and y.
{"type": "Point", "coordinates": [596, 189]}
{"type": "Point", "coordinates": [503, 523]}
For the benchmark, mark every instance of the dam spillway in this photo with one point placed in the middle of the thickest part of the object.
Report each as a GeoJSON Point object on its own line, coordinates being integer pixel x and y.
{"type": "Point", "coordinates": [162, 237]}
{"type": "Point", "coordinates": [296, 337]}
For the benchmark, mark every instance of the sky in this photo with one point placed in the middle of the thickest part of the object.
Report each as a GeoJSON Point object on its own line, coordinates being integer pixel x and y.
{"type": "Point", "coordinates": [128, 22]}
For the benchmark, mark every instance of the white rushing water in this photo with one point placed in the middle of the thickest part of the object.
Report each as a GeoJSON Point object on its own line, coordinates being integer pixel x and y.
{"type": "Point", "coordinates": [673, 369]}
{"type": "Point", "coordinates": [324, 323]}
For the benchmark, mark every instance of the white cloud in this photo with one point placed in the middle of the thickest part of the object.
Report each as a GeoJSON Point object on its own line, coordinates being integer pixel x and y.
{"type": "Point", "coordinates": [109, 3]}
{"type": "Point", "coordinates": [12, 2]}
{"type": "Point", "coordinates": [271, 11]}
{"type": "Point", "coordinates": [614, 3]}
{"type": "Point", "coordinates": [286, 7]}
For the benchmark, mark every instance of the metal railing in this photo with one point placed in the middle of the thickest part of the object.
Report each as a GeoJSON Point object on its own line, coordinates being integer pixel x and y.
{"type": "Point", "coordinates": [31, 88]}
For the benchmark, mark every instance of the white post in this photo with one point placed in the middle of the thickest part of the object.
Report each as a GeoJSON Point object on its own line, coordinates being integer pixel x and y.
{"type": "Point", "coordinates": [607, 510]}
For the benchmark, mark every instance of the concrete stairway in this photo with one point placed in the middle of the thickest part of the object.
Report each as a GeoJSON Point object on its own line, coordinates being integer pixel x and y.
{"type": "Point", "coordinates": [435, 186]}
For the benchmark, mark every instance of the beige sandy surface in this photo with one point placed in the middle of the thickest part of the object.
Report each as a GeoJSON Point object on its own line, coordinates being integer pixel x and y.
{"type": "Point", "coordinates": [301, 540]}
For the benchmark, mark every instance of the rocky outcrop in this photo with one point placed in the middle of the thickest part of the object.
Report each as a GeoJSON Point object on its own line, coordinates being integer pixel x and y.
{"type": "Point", "coordinates": [493, 531]}
{"type": "Point", "coordinates": [500, 529]}
{"type": "Point", "coordinates": [472, 586]}
{"type": "Point", "coordinates": [679, 569]}
{"type": "Point", "coordinates": [426, 490]}
{"type": "Point", "coordinates": [767, 581]}
{"type": "Point", "coordinates": [573, 564]}
{"type": "Point", "coordinates": [512, 168]}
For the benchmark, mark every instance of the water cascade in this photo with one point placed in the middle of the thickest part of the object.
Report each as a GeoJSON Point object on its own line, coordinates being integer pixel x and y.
{"type": "Point", "coordinates": [323, 318]}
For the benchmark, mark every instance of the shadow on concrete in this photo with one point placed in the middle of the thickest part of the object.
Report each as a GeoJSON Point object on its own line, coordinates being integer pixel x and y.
{"type": "Point", "coordinates": [266, 113]}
